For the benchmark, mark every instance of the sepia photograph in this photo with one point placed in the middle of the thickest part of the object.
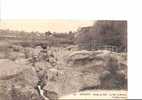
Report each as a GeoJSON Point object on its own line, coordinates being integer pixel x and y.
{"type": "Point", "coordinates": [63, 59]}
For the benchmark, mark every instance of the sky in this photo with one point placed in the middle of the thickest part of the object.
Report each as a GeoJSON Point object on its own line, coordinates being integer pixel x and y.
{"type": "Point", "coordinates": [45, 25]}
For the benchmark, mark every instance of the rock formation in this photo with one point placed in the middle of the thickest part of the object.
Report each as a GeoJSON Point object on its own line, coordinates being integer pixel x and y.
{"type": "Point", "coordinates": [73, 71]}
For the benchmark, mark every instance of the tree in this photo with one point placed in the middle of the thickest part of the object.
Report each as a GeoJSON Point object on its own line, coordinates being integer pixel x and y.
{"type": "Point", "coordinates": [105, 32]}
{"type": "Point", "coordinates": [47, 34]}
{"type": "Point", "coordinates": [84, 37]}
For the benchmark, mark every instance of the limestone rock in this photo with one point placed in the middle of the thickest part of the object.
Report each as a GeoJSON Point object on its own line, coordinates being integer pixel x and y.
{"type": "Point", "coordinates": [17, 81]}
{"type": "Point", "coordinates": [84, 70]}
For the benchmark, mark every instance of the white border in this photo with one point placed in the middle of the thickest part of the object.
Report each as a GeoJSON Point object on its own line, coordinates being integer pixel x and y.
{"type": "Point", "coordinates": [89, 10]}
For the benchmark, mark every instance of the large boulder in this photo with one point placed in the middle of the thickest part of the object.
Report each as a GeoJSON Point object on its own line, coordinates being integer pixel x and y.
{"type": "Point", "coordinates": [109, 68]}
{"type": "Point", "coordinates": [85, 70]}
{"type": "Point", "coordinates": [17, 81]}
{"type": "Point", "coordinates": [83, 59]}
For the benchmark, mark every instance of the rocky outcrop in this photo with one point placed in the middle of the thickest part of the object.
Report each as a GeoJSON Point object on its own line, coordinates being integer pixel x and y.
{"type": "Point", "coordinates": [85, 70]}
{"type": "Point", "coordinates": [75, 71]}
{"type": "Point", "coordinates": [17, 81]}
{"type": "Point", "coordinates": [110, 68]}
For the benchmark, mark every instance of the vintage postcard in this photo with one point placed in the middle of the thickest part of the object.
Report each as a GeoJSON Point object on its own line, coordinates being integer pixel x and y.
{"type": "Point", "coordinates": [63, 59]}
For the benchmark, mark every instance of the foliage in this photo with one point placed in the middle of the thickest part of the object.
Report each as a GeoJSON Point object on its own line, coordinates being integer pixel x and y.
{"type": "Point", "coordinates": [107, 32]}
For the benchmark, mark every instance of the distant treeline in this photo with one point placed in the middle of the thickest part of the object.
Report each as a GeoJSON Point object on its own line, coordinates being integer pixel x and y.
{"type": "Point", "coordinates": [36, 38]}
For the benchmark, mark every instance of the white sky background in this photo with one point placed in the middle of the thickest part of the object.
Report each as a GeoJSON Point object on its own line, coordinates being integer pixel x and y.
{"type": "Point", "coordinates": [89, 10]}
{"type": "Point", "coordinates": [62, 9]}
{"type": "Point", "coordinates": [40, 15]}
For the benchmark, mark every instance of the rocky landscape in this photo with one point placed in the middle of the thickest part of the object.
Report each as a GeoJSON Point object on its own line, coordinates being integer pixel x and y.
{"type": "Point", "coordinates": [59, 71]}
{"type": "Point", "coordinates": [50, 65]}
